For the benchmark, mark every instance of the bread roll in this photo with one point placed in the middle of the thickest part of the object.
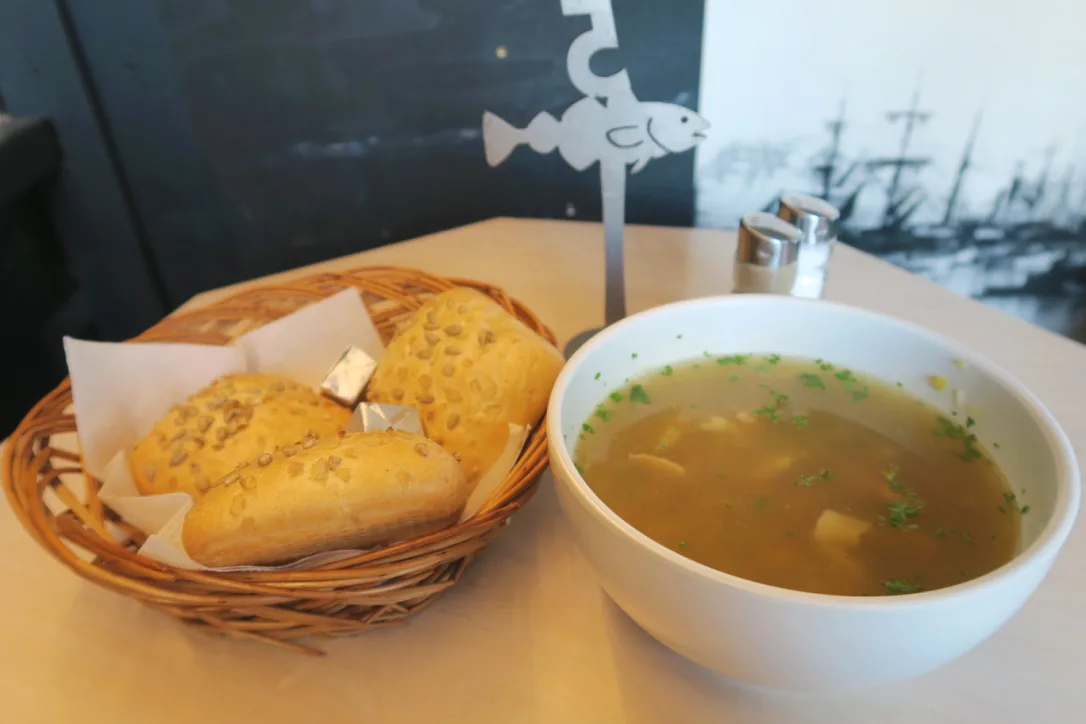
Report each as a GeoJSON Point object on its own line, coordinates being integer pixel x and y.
{"type": "Point", "coordinates": [471, 368]}
{"type": "Point", "coordinates": [234, 419]}
{"type": "Point", "coordinates": [344, 491]}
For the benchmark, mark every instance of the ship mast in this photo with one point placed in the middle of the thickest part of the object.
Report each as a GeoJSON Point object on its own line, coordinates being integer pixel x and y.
{"type": "Point", "coordinates": [966, 162]}
{"type": "Point", "coordinates": [1063, 205]}
{"type": "Point", "coordinates": [912, 117]}
{"type": "Point", "coordinates": [900, 204]}
{"type": "Point", "coordinates": [825, 171]}
{"type": "Point", "coordinates": [1041, 186]}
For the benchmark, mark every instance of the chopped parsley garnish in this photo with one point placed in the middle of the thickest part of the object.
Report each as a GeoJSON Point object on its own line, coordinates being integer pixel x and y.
{"type": "Point", "coordinates": [901, 512]}
{"type": "Point", "coordinates": [900, 586]}
{"type": "Point", "coordinates": [760, 503]}
{"type": "Point", "coordinates": [588, 428]}
{"type": "Point", "coordinates": [806, 481]}
{"type": "Point", "coordinates": [773, 359]}
{"type": "Point", "coordinates": [763, 368]}
{"type": "Point", "coordinates": [735, 359]}
{"type": "Point", "coordinates": [667, 371]}
{"type": "Point", "coordinates": [1012, 503]}
{"type": "Point", "coordinates": [969, 422]}
{"type": "Point", "coordinates": [638, 394]}
{"type": "Point", "coordinates": [603, 413]}
{"type": "Point", "coordinates": [890, 475]}
{"type": "Point", "coordinates": [733, 378]}
{"type": "Point", "coordinates": [617, 397]}
{"type": "Point", "coordinates": [777, 396]}
{"type": "Point", "coordinates": [799, 421]}
{"type": "Point", "coordinates": [852, 384]}
{"type": "Point", "coordinates": [597, 375]}
{"type": "Point", "coordinates": [810, 379]}
{"type": "Point", "coordinates": [682, 544]}
{"type": "Point", "coordinates": [580, 468]}
{"type": "Point", "coordinates": [949, 429]}
{"type": "Point", "coordinates": [633, 355]}
{"type": "Point", "coordinates": [823, 365]}
{"type": "Point", "coordinates": [995, 445]}
{"type": "Point", "coordinates": [678, 336]}
{"type": "Point", "coordinates": [770, 410]}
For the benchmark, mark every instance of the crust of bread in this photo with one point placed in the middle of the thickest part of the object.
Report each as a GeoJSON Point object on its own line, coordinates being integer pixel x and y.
{"type": "Point", "coordinates": [471, 368]}
{"type": "Point", "coordinates": [350, 490]}
{"type": "Point", "coordinates": [234, 419]}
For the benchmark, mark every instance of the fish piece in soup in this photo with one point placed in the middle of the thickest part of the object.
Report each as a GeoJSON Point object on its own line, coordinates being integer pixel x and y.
{"type": "Point", "coordinates": [658, 465]}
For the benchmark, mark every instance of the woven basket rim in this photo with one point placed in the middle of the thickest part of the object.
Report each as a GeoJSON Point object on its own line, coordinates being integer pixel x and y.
{"type": "Point", "coordinates": [30, 466]}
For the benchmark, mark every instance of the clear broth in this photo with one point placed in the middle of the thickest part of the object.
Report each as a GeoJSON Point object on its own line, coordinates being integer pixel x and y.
{"type": "Point", "coordinates": [800, 474]}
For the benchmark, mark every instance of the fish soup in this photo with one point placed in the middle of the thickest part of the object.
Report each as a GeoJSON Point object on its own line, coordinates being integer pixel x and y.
{"type": "Point", "coordinates": [800, 474]}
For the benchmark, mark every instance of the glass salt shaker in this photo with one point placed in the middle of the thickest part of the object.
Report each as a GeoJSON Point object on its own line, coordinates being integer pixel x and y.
{"type": "Point", "coordinates": [766, 258]}
{"type": "Point", "coordinates": [818, 222]}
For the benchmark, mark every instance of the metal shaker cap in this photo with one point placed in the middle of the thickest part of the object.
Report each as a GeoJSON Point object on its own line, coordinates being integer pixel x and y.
{"type": "Point", "coordinates": [816, 219]}
{"type": "Point", "coordinates": [765, 240]}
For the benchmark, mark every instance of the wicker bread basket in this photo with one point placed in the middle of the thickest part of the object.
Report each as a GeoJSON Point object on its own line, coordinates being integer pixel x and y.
{"type": "Point", "coordinates": [59, 505]}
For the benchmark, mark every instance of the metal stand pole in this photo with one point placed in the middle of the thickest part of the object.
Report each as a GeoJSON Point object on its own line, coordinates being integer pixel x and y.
{"type": "Point", "coordinates": [613, 188]}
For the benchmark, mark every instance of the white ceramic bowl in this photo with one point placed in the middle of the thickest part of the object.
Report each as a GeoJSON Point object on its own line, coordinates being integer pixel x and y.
{"type": "Point", "coordinates": [785, 639]}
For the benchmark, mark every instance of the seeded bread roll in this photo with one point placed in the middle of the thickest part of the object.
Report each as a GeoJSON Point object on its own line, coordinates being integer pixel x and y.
{"type": "Point", "coordinates": [345, 491]}
{"type": "Point", "coordinates": [471, 368]}
{"type": "Point", "coordinates": [235, 418]}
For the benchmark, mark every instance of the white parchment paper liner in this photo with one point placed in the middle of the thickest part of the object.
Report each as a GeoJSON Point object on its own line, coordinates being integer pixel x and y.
{"type": "Point", "coordinates": [121, 390]}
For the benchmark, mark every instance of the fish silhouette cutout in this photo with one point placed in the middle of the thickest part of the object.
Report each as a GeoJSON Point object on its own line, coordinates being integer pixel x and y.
{"type": "Point", "coordinates": [609, 127]}
{"type": "Point", "coordinates": [624, 131]}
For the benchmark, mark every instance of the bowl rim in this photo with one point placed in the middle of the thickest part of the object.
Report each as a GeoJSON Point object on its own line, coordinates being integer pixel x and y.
{"type": "Point", "coordinates": [1048, 542]}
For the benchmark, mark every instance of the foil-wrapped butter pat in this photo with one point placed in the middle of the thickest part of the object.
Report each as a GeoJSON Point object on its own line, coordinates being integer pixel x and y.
{"type": "Point", "coordinates": [374, 417]}
{"type": "Point", "coordinates": [349, 376]}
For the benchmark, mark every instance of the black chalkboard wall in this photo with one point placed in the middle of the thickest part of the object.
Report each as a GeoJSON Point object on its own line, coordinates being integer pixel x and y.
{"type": "Point", "coordinates": [262, 134]}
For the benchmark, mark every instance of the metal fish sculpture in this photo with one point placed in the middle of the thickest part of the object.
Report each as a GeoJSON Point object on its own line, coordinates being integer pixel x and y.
{"type": "Point", "coordinates": [629, 133]}
{"type": "Point", "coordinates": [608, 126]}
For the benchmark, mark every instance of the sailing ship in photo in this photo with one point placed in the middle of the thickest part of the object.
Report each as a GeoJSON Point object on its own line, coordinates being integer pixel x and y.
{"type": "Point", "coordinates": [1023, 251]}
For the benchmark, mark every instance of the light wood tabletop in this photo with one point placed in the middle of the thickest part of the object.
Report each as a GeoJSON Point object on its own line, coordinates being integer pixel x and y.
{"type": "Point", "coordinates": [528, 635]}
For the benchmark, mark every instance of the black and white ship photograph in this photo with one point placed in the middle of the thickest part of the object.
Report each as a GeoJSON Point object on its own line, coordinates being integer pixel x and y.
{"type": "Point", "coordinates": [974, 179]}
